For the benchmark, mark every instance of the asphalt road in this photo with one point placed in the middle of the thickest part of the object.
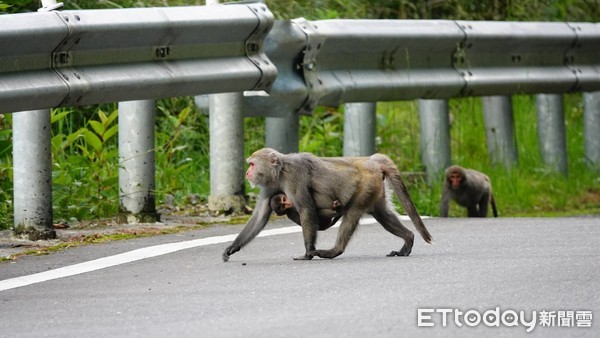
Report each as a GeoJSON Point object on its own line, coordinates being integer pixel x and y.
{"type": "Point", "coordinates": [490, 270]}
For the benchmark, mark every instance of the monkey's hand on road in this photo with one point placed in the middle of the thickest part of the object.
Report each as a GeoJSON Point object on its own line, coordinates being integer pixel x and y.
{"type": "Point", "coordinates": [229, 251]}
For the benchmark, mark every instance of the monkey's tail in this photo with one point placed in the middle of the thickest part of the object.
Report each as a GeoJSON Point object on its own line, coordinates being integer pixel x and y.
{"type": "Point", "coordinates": [391, 172]}
{"type": "Point", "coordinates": [493, 203]}
{"type": "Point", "coordinates": [409, 206]}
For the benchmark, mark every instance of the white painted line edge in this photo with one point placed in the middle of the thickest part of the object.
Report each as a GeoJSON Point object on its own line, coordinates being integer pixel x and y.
{"type": "Point", "coordinates": [139, 254]}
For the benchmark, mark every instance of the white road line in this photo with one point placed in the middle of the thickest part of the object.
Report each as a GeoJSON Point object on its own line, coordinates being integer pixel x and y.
{"type": "Point", "coordinates": [106, 262]}
{"type": "Point", "coordinates": [139, 254]}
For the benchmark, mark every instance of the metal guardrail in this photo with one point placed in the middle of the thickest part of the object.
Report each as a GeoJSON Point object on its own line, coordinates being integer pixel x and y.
{"type": "Point", "coordinates": [528, 57]}
{"type": "Point", "coordinates": [74, 58]}
{"type": "Point", "coordinates": [71, 58]}
{"type": "Point", "coordinates": [386, 60]}
{"type": "Point", "coordinates": [395, 60]}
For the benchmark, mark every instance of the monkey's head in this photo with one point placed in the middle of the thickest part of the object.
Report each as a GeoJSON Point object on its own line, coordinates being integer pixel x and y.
{"type": "Point", "coordinates": [281, 204]}
{"type": "Point", "coordinates": [455, 176]}
{"type": "Point", "coordinates": [265, 165]}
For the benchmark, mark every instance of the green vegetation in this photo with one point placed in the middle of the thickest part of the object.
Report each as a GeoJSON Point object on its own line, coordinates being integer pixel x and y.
{"type": "Point", "coordinates": [530, 189]}
{"type": "Point", "coordinates": [84, 142]}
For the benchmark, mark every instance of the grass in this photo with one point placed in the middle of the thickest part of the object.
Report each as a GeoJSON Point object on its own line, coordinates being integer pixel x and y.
{"type": "Point", "coordinates": [529, 189]}
{"type": "Point", "coordinates": [86, 160]}
{"type": "Point", "coordinates": [96, 238]}
{"type": "Point", "coordinates": [124, 234]}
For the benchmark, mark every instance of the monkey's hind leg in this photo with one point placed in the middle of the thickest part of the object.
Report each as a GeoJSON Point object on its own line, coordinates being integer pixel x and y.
{"type": "Point", "coordinates": [391, 223]}
{"type": "Point", "coordinates": [349, 224]}
{"type": "Point", "coordinates": [473, 211]}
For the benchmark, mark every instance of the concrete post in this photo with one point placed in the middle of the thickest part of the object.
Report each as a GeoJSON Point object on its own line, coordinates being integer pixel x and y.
{"type": "Point", "coordinates": [226, 150]}
{"type": "Point", "coordinates": [32, 157]}
{"type": "Point", "coordinates": [435, 137]}
{"type": "Point", "coordinates": [136, 162]}
{"type": "Point", "coordinates": [227, 164]}
{"type": "Point", "coordinates": [282, 133]}
{"type": "Point", "coordinates": [591, 129]}
{"type": "Point", "coordinates": [552, 132]}
{"type": "Point", "coordinates": [359, 128]}
{"type": "Point", "coordinates": [500, 130]}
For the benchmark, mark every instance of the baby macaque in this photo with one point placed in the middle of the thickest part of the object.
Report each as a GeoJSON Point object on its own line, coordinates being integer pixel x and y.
{"type": "Point", "coordinates": [282, 205]}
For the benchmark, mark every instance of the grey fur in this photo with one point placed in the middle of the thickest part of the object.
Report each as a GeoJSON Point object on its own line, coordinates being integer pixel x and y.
{"type": "Point", "coordinates": [474, 192]}
{"type": "Point", "coordinates": [356, 182]}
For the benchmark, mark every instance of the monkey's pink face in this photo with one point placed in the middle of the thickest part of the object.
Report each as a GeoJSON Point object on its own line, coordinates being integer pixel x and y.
{"type": "Point", "coordinates": [250, 173]}
{"type": "Point", "coordinates": [262, 171]}
{"type": "Point", "coordinates": [256, 172]}
{"type": "Point", "coordinates": [281, 204]}
{"type": "Point", "coordinates": [455, 180]}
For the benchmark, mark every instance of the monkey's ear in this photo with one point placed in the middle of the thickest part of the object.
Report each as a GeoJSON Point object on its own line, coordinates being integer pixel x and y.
{"type": "Point", "coordinates": [274, 158]}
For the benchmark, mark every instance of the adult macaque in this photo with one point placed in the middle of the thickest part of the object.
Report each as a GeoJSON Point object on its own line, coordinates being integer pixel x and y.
{"type": "Point", "coordinates": [356, 182]}
{"type": "Point", "coordinates": [470, 189]}
{"type": "Point", "coordinates": [282, 205]}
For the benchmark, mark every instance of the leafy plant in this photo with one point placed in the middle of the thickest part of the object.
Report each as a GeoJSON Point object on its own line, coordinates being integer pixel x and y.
{"type": "Point", "coordinates": [17, 6]}
{"type": "Point", "coordinates": [85, 164]}
{"type": "Point", "coordinates": [182, 156]}
{"type": "Point", "coordinates": [6, 172]}
{"type": "Point", "coordinates": [322, 133]}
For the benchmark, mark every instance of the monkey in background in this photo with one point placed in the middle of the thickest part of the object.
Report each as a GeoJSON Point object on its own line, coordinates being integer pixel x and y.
{"type": "Point", "coordinates": [282, 206]}
{"type": "Point", "coordinates": [470, 189]}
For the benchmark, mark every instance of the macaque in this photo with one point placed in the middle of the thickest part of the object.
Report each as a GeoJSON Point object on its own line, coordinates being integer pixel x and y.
{"type": "Point", "coordinates": [282, 205]}
{"type": "Point", "coordinates": [470, 189]}
{"type": "Point", "coordinates": [356, 182]}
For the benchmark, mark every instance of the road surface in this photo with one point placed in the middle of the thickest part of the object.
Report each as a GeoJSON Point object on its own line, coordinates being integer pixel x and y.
{"type": "Point", "coordinates": [491, 277]}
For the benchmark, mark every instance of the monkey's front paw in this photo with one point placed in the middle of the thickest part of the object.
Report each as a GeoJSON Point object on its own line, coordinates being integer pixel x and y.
{"type": "Point", "coordinates": [229, 251]}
